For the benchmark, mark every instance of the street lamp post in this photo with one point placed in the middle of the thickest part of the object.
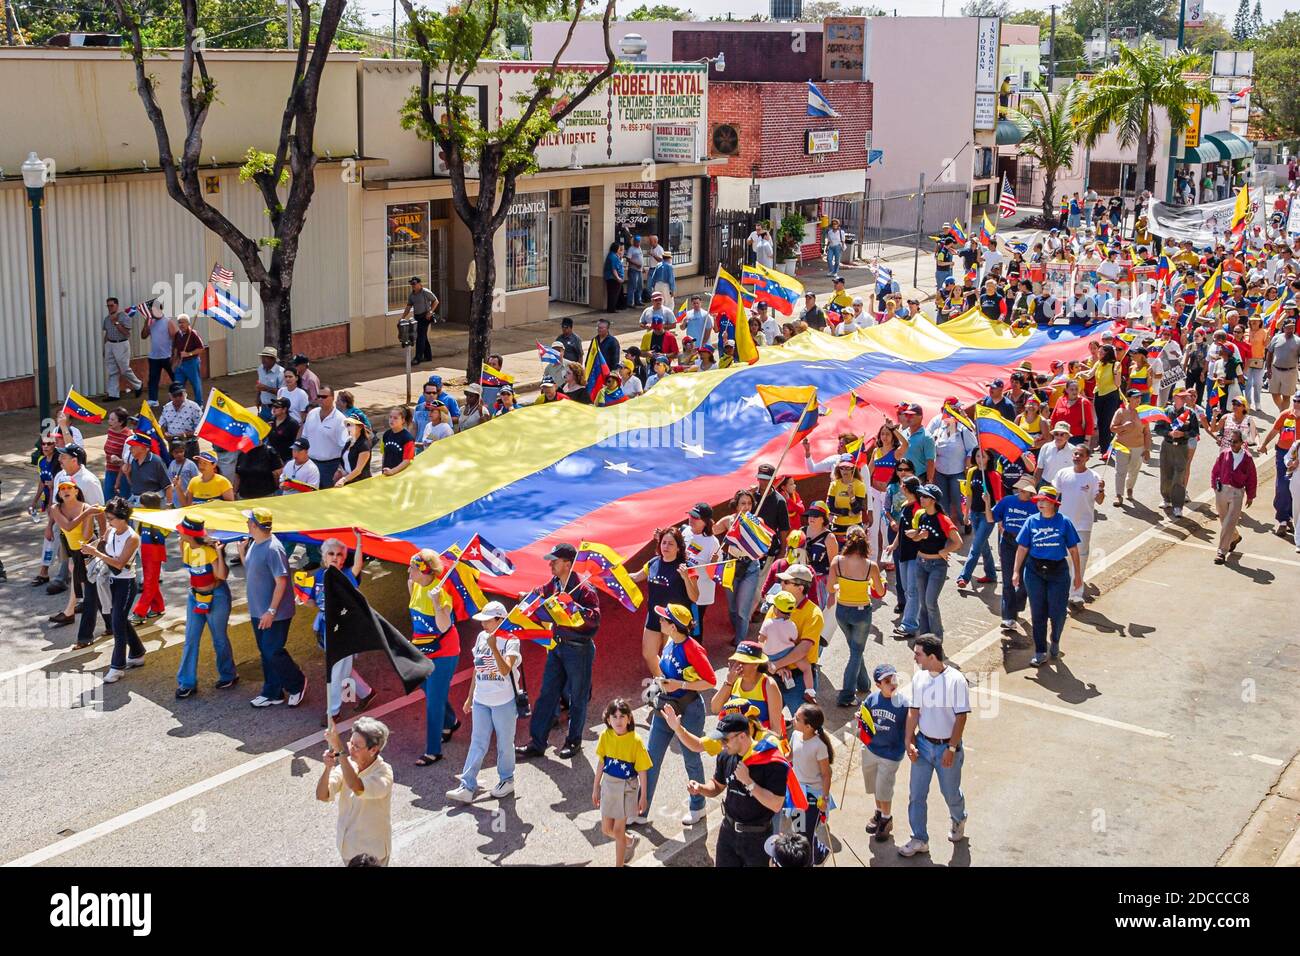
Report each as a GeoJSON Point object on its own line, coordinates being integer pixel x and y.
{"type": "Point", "coordinates": [35, 174]}
{"type": "Point", "coordinates": [1173, 136]}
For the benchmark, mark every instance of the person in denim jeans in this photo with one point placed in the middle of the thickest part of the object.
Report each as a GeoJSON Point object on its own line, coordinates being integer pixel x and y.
{"type": "Point", "coordinates": [1011, 513]}
{"type": "Point", "coordinates": [208, 606]}
{"type": "Point", "coordinates": [491, 700]}
{"type": "Point", "coordinates": [854, 578]}
{"type": "Point", "coordinates": [270, 609]}
{"type": "Point", "coordinates": [938, 708]}
{"type": "Point", "coordinates": [936, 538]}
{"type": "Point", "coordinates": [187, 346]}
{"type": "Point", "coordinates": [741, 596]}
{"type": "Point", "coordinates": [985, 483]}
{"type": "Point", "coordinates": [1044, 543]}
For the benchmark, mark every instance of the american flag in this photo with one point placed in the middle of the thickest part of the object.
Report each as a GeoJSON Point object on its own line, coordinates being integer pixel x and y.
{"type": "Point", "coordinates": [221, 276]}
{"type": "Point", "coordinates": [1007, 201]}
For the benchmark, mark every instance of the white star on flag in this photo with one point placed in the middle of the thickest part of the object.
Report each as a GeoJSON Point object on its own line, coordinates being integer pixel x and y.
{"type": "Point", "coordinates": [621, 467]}
{"type": "Point", "coordinates": [695, 451]}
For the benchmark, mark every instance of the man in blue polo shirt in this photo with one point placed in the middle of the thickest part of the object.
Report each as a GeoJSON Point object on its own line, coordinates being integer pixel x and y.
{"type": "Point", "coordinates": [1011, 513]}
{"type": "Point", "coordinates": [920, 446]}
{"type": "Point", "coordinates": [433, 390]}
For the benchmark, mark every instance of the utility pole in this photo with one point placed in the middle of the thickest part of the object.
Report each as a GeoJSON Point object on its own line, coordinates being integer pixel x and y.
{"type": "Point", "coordinates": [1051, 53]}
{"type": "Point", "coordinates": [288, 24]}
{"type": "Point", "coordinates": [1105, 40]}
{"type": "Point", "coordinates": [394, 29]}
{"type": "Point", "coordinates": [9, 28]}
{"type": "Point", "coordinates": [1173, 136]}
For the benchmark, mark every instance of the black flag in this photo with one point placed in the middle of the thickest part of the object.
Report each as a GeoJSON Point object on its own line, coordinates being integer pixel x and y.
{"type": "Point", "coordinates": [353, 626]}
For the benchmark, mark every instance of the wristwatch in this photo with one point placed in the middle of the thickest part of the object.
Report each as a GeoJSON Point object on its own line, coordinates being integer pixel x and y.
{"type": "Point", "coordinates": [952, 748]}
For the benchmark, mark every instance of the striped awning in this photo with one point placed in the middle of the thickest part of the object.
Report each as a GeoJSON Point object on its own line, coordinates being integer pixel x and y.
{"type": "Point", "coordinates": [1207, 152]}
{"type": "Point", "coordinates": [1230, 145]}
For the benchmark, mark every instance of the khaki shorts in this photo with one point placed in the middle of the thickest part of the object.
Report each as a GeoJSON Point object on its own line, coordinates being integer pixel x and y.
{"type": "Point", "coordinates": [1281, 382]}
{"type": "Point", "coordinates": [618, 797]}
{"type": "Point", "coordinates": [879, 774]}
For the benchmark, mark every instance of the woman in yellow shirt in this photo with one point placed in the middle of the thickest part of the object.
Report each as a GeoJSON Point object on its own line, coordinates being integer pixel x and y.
{"type": "Point", "coordinates": [1032, 420]}
{"type": "Point", "coordinates": [72, 516]}
{"type": "Point", "coordinates": [1106, 396]}
{"type": "Point", "coordinates": [846, 496]}
{"type": "Point", "coordinates": [855, 578]}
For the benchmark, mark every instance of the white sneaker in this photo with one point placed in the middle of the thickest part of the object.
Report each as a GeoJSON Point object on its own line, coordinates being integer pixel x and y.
{"type": "Point", "coordinates": [913, 846]}
{"type": "Point", "coordinates": [135, 662]}
{"type": "Point", "coordinates": [503, 789]}
{"type": "Point", "coordinates": [461, 794]}
{"type": "Point", "coordinates": [692, 817]}
{"type": "Point", "coordinates": [637, 821]}
{"type": "Point", "coordinates": [261, 700]}
{"type": "Point", "coordinates": [957, 832]}
{"type": "Point", "coordinates": [114, 675]}
{"type": "Point", "coordinates": [296, 699]}
{"type": "Point", "coordinates": [1008, 624]}
{"type": "Point", "coordinates": [1178, 512]}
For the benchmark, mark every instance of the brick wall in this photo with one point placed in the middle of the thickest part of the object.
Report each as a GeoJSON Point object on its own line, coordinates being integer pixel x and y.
{"type": "Point", "coordinates": [755, 57]}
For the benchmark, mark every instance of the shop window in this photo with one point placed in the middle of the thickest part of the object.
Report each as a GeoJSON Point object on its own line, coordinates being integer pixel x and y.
{"type": "Point", "coordinates": [408, 250]}
{"type": "Point", "coordinates": [984, 163]}
{"type": "Point", "coordinates": [636, 207]}
{"type": "Point", "coordinates": [528, 251]}
{"type": "Point", "coordinates": [681, 220]}
{"type": "Point", "coordinates": [980, 197]}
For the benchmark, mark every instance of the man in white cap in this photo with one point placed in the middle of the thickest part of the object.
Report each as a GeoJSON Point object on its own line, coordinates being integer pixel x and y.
{"type": "Point", "coordinates": [270, 379]}
{"type": "Point", "coordinates": [657, 312]}
{"type": "Point", "coordinates": [1054, 455]}
{"type": "Point", "coordinates": [859, 318]}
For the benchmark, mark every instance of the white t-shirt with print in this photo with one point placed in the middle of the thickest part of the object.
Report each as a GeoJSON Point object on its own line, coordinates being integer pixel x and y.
{"type": "Point", "coordinates": [1078, 493]}
{"type": "Point", "coordinates": [708, 546]}
{"type": "Point", "coordinates": [491, 687]}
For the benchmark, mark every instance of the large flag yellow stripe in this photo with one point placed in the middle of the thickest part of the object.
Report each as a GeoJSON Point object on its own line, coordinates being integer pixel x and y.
{"type": "Point", "coordinates": [483, 459]}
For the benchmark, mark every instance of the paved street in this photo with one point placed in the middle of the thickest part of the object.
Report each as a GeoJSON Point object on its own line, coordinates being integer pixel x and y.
{"type": "Point", "coordinates": [1153, 741]}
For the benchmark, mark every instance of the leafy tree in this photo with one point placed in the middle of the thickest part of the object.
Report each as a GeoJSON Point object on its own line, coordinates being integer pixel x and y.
{"type": "Point", "coordinates": [1047, 122]}
{"type": "Point", "coordinates": [291, 167]}
{"type": "Point", "coordinates": [1213, 35]}
{"type": "Point", "coordinates": [1241, 24]}
{"type": "Point", "coordinates": [1275, 97]}
{"type": "Point", "coordinates": [1128, 96]}
{"type": "Point", "coordinates": [1069, 50]}
{"type": "Point", "coordinates": [1257, 19]}
{"type": "Point", "coordinates": [986, 8]}
{"type": "Point", "coordinates": [1033, 18]}
{"type": "Point", "coordinates": [450, 48]}
{"type": "Point", "coordinates": [1156, 17]}
{"type": "Point", "coordinates": [660, 11]}
{"type": "Point", "coordinates": [819, 10]}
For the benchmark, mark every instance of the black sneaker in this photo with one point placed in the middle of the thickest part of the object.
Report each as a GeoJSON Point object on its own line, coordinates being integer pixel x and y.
{"type": "Point", "coordinates": [56, 588]}
{"type": "Point", "coordinates": [528, 752]}
{"type": "Point", "coordinates": [873, 824]}
{"type": "Point", "coordinates": [183, 692]}
{"type": "Point", "coordinates": [226, 684]}
{"type": "Point", "coordinates": [885, 829]}
{"type": "Point", "coordinates": [569, 751]}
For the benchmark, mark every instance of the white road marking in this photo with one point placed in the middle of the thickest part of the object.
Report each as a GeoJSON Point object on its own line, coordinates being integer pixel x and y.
{"type": "Point", "coordinates": [122, 820]}
{"type": "Point", "coordinates": [1202, 546]}
{"type": "Point", "coordinates": [1267, 761]}
{"type": "Point", "coordinates": [1078, 714]}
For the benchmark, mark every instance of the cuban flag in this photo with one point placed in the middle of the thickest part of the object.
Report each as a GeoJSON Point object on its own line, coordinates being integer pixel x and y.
{"type": "Point", "coordinates": [1239, 95]}
{"type": "Point", "coordinates": [482, 555]}
{"type": "Point", "coordinates": [818, 105]}
{"type": "Point", "coordinates": [219, 302]}
{"type": "Point", "coordinates": [884, 280]}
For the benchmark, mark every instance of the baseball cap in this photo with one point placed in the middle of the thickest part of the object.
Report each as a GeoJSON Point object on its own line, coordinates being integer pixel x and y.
{"type": "Point", "coordinates": [749, 652]}
{"type": "Point", "coordinates": [766, 471]}
{"type": "Point", "coordinates": [930, 490]}
{"type": "Point", "coordinates": [279, 403]}
{"type": "Point", "coordinates": [74, 450]}
{"type": "Point", "coordinates": [1131, 393]}
{"type": "Point", "coordinates": [656, 295]}
{"type": "Point", "coordinates": [301, 359]}
{"type": "Point", "coordinates": [784, 602]}
{"type": "Point", "coordinates": [677, 613]}
{"type": "Point", "coordinates": [261, 517]}
{"type": "Point", "coordinates": [206, 456]}
{"type": "Point", "coordinates": [434, 380]}
{"type": "Point", "coordinates": [1048, 493]}
{"type": "Point", "coordinates": [882, 671]}
{"type": "Point", "coordinates": [797, 572]}
{"type": "Point", "coordinates": [707, 348]}
{"type": "Point", "coordinates": [491, 611]}
{"type": "Point", "coordinates": [702, 510]}
{"type": "Point", "coordinates": [192, 527]}
{"type": "Point", "coordinates": [563, 551]}
{"type": "Point", "coordinates": [175, 387]}
{"type": "Point", "coordinates": [729, 722]}
{"type": "Point", "coordinates": [547, 380]}
{"type": "Point", "coordinates": [133, 440]}
{"type": "Point", "coordinates": [997, 383]}
{"type": "Point", "coordinates": [301, 444]}
{"type": "Point", "coordinates": [414, 280]}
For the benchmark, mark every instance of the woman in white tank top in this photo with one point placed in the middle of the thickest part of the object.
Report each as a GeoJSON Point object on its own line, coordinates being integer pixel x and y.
{"type": "Point", "coordinates": [121, 544]}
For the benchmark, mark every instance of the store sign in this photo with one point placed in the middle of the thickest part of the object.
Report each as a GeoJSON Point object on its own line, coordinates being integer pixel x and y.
{"type": "Point", "coordinates": [821, 141]}
{"type": "Point", "coordinates": [1192, 135]}
{"type": "Point", "coordinates": [530, 205]}
{"type": "Point", "coordinates": [636, 206]}
{"type": "Point", "coordinates": [986, 55]}
{"type": "Point", "coordinates": [676, 143]}
{"type": "Point", "coordinates": [615, 125]}
{"type": "Point", "coordinates": [986, 111]}
{"type": "Point", "coordinates": [844, 48]}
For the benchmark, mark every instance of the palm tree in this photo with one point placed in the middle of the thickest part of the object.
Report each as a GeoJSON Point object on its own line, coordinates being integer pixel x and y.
{"type": "Point", "coordinates": [1126, 97]}
{"type": "Point", "coordinates": [1049, 133]}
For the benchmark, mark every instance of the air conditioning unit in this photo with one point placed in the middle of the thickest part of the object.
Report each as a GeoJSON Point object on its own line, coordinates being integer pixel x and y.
{"type": "Point", "coordinates": [726, 140]}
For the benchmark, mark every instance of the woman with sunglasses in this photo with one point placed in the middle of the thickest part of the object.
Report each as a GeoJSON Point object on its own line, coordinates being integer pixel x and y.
{"type": "Point", "coordinates": [890, 449]}
{"type": "Point", "coordinates": [73, 517]}
{"type": "Point", "coordinates": [821, 547]}
{"type": "Point", "coordinates": [1043, 544]}
{"type": "Point", "coordinates": [434, 632]}
{"type": "Point", "coordinates": [355, 465]}
{"type": "Point", "coordinates": [668, 580]}
{"type": "Point", "coordinates": [47, 466]}
{"type": "Point", "coordinates": [118, 554]}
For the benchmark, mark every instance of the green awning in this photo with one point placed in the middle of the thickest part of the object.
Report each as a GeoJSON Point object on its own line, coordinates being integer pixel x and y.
{"type": "Point", "coordinates": [1230, 145]}
{"type": "Point", "coordinates": [1207, 152]}
{"type": "Point", "coordinates": [1009, 133]}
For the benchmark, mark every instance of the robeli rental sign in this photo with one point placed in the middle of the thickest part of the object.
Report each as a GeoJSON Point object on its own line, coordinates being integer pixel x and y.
{"type": "Point", "coordinates": [616, 125]}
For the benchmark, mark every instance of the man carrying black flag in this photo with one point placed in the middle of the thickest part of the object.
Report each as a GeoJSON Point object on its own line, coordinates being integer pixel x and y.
{"type": "Point", "coordinates": [353, 626]}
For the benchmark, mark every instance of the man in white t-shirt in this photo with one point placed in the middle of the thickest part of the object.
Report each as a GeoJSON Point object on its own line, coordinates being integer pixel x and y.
{"type": "Point", "coordinates": [768, 320]}
{"type": "Point", "coordinates": [496, 679]}
{"type": "Point", "coordinates": [938, 705]}
{"type": "Point", "coordinates": [1081, 488]}
{"type": "Point", "coordinates": [1054, 455]}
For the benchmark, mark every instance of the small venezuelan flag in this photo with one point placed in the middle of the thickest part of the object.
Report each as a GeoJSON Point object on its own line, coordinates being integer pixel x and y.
{"type": "Point", "coordinates": [605, 568]}
{"type": "Point", "coordinates": [494, 378]}
{"type": "Point", "coordinates": [80, 407]}
{"type": "Point", "coordinates": [229, 425]}
{"type": "Point", "coordinates": [1152, 414]}
{"type": "Point", "coordinates": [999, 435]}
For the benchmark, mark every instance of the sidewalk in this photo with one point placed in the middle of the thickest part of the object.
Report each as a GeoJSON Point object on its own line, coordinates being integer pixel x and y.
{"type": "Point", "coordinates": [377, 378]}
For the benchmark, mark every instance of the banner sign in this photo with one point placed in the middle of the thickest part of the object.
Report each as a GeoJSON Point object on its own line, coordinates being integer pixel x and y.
{"type": "Point", "coordinates": [1204, 225]}
{"type": "Point", "coordinates": [676, 143]}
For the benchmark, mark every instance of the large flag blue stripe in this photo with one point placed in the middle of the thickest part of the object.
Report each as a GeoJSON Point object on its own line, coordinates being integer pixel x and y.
{"type": "Point", "coordinates": [783, 413]}
{"type": "Point", "coordinates": [533, 507]}
{"type": "Point", "coordinates": [231, 426]}
{"type": "Point", "coordinates": [991, 426]}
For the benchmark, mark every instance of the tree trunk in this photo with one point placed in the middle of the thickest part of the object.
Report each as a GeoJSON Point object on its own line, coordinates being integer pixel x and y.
{"type": "Point", "coordinates": [1049, 191]}
{"type": "Point", "coordinates": [482, 299]}
{"type": "Point", "coordinates": [1144, 150]}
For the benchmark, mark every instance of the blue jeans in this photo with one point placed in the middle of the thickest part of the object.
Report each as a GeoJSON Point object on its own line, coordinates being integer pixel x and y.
{"type": "Point", "coordinates": [906, 571]}
{"type": "Point", "coordinates": [439, 715]}
{"type": "Point", "coordinates": [1013, 598]}
{"type": "Point", "coordinates": [918, 790]}
{"type": "Point", "coordinates": [833, 259]}
{"type": "Point", "coordinates": [661, 735]}
{"type": "Point", "coordinates": [116, 483]}
{"type": "Point", "coordinates": [950, 485]}
{"type": "Point", "coordinates": [792, 697]}
{"type": "Point", "coordinates": [156, 369]}
{"type": "Point", "coordinates": [567, 672]}
{"type": "Point", "coordinates": [188, 371]}
{"type": "Point", "coordinates": [634, 288]}
{"type": "Point", "coordinates": [855, 622]}
{"type": "Point", "coordinates": [931, 573]}
{"type": "Point", "coordinates": [125, 639]}
{"type": "Point", "coordinates": [740, 601]}
{"type": "Point", "coordinates": [280, 675]}
{"type": "Point", "coordinates": [1283, 506]}
{"type": "Point", "coordinates": [941, 276]}
{"type": "Point", "coordinates": [979, 547]}
{"type": "Point", "coordinates": [215, 621]}
{"type": "Point", "coordinates": [1047, 601]}
{"type": "Point", "coordinates": [499, 720]}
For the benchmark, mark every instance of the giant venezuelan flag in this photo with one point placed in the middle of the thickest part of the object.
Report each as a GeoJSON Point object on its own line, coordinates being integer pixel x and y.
{"type": "Point", "coordinates": [571, 472]}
